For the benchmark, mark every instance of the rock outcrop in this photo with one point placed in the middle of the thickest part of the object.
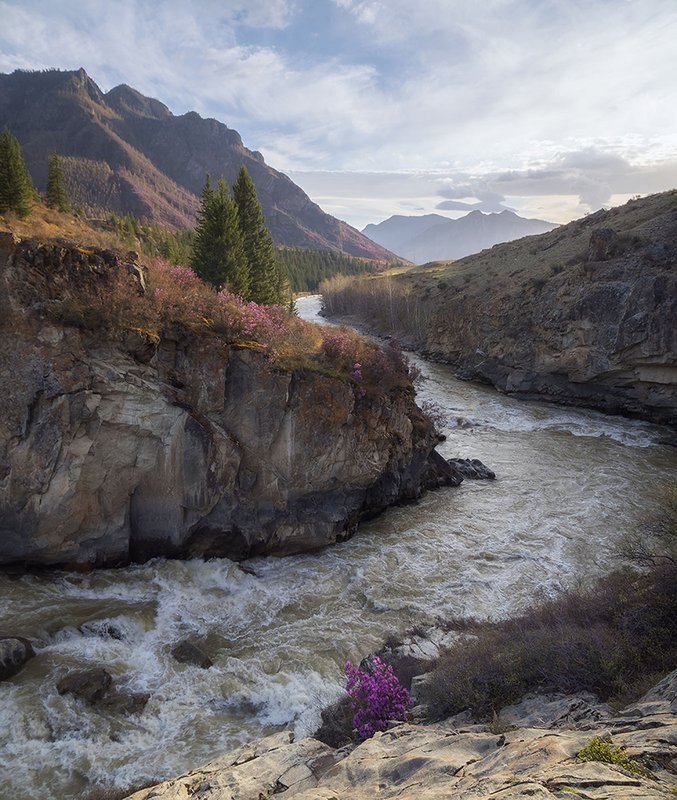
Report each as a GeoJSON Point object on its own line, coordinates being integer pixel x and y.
{"type": "Point", "coordinates": [583, 315]}
{"type": "Point", "coordinates": [119, 448]}
{"type": "Point", "coordinates": [95, 686]}
{"type": "Point", "coordinates": [444, 760]}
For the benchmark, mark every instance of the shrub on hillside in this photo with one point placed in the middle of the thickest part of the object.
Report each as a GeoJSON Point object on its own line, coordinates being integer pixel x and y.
{"type": "Point", "coordinates": [611, 640]}
{"type": "Point", "coordinates": [109, 295]}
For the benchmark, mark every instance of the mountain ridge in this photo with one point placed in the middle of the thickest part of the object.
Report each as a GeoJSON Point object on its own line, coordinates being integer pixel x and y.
{"type": "Point", "coordinates": [433, 237]}
{"type": "Point", "coordinates": [143, 159]}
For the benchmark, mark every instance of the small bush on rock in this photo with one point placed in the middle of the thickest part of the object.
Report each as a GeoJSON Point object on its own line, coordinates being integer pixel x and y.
{"type": "Point", "coordinates": [376, 696]}
{"type": "Point", "coordinates": [604, 751]}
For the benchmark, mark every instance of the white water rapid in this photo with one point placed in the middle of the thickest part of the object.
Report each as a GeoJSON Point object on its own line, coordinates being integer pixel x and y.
{"type": "Point", "coordinates": [569, 482]}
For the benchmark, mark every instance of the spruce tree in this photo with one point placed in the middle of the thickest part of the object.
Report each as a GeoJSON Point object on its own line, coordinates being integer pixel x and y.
{"type": "Point", "coordinates": [56, 196]}
{"type": "Point", "coordinates": [267, 277]}
{"type": "Point", "coordinates": [16, 188]}
{"type": "Point", "coordinates": [218, 252]}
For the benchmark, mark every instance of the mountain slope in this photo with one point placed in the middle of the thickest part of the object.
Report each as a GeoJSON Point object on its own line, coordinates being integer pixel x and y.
{"type": "Point", "coordinates": [128, 153]}
{"type": "Point", "coordinates": [583, 315]}
{"type": "Point", "coordinates": [436, 238]}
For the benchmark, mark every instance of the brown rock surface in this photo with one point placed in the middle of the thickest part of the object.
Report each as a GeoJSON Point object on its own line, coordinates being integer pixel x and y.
{"type": "Point", "coordinates": [15, 651]}
{"type": "Point", "coordinates": [440, 761]}
{"type": "Point", "coordinates": [111, 451]}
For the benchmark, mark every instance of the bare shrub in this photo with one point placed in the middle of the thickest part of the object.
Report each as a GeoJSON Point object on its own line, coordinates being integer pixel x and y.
{"type": "Point", "coordinates": [605, 640]}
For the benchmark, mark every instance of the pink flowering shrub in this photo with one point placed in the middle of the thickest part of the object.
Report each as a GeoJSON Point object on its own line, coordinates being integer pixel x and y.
{"type": "Point", "coordinates": [171, 295]}
{"type": "Point", "coordinates": [376, 697]}
{"type": "Point", "coordinates": [362, 360]}
{"type": "Point", "coordinates": [435, 413]}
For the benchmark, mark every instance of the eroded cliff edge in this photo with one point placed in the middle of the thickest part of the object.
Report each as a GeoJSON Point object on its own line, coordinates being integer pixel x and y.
{"type": "Point", "coordinates": [584, 315]}
{"type": "Point", "coordinates": [119, 448]}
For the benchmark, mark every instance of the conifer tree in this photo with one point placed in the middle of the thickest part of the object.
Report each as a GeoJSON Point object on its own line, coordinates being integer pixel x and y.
{"type": "Point", "coordinates": [218, 252]}
{"type": "Point", "coordinates": [267, 277]}
{"type": "Point", "coordinates": [56, 196]}
{"type": "Point", "coordinates": [16, 188]}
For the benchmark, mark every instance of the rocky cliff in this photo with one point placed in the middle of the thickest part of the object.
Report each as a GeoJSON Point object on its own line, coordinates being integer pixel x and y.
{"type": "Point", "coordinates": [122, 447]}
{"type": "Point", "coordinates": [125, 152]}
{"type": "Point", "coordinates": [583, 315]}
{"type": "Point", "coordinates": [530, 752]}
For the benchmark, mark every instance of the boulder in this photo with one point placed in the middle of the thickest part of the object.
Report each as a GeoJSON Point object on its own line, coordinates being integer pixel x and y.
{"type": "Point", "coordinates": [14, 653]}
{"type": "Point", "coordinates": [188, 653]}
{"type": "Point", "coordinates": [95, 686]}
{"type": "Point", "coordinates": [472, 468]}
{"type": "Point", "coordinates": [120, 702]}
{"type": "Point", "coordinates": [441, 472]}
{"type": "Point", "coordinates": [89, 685]}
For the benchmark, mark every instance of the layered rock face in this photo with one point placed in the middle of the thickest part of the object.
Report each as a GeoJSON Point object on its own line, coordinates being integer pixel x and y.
{"type": "Point", "coordinates": [122, 448]}
{"type": "Point", "coordinates": [585, 314]}
{"type": "Point", "coordinates": [535, 758]}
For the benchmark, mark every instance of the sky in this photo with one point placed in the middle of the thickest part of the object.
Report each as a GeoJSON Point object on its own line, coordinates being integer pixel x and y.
{"type": "Point", "coordinates": [551, 108]}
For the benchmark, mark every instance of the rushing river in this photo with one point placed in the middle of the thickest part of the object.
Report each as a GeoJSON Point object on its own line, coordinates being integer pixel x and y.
{"type": "Point", "coordinates": [569, 483]}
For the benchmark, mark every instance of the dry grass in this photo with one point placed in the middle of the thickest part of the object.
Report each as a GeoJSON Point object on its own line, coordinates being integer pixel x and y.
{"type": "Point", "coordinates": [613, 640]}
{"type": "Point", "coordinates": [49, 225]}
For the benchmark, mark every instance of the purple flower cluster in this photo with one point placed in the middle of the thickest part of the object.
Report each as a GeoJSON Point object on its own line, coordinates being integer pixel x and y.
{"type": "Point", "coordinates": [179, 275]}
{"type": "Point", "coordinates": [265, 324]}
{"type": "Point", "coordinates": [376, 696]}
{"type": "Point", "coordinates": [337, 345]}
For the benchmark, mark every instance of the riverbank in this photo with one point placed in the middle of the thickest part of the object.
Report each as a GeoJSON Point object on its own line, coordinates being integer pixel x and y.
{"type": "Point", "coordinates": [551, 748]}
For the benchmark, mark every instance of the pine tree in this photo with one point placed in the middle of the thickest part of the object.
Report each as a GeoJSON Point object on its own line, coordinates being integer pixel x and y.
{"type": "Point", "coordinates": [16, 188]}
{"type": "Point", "coordinates": [56, 196]}
{"type": "Point", "coordinates": [267, 276]}
{"type": "Point", "coordinates": [218, 252]}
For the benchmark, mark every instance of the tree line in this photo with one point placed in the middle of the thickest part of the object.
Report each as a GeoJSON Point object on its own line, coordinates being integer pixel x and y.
{"type": "Point", "coordinates": [308, 268]}
{"type": "Point", "coordinates": [16, 186]}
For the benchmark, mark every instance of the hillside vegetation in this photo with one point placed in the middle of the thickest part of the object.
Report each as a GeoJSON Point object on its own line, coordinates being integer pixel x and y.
{"type": "Point", "coordinates": [146, 294]}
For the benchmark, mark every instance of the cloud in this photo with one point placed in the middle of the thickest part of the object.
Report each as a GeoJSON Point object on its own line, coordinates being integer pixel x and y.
{"type": "Point", "coordinates": [563, 188]}
{"type": "Point", "coordinates": [426, 105]}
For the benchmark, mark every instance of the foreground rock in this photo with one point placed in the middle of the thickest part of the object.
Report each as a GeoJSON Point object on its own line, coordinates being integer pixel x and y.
{"type": "Point", "coordinates": [121, 449]}
{"type": "Point", "coordinates": [445, 761]}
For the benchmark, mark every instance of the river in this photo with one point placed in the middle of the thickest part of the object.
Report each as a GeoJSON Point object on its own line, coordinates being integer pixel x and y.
{"type": "Point", "coordinates": [569, 482]}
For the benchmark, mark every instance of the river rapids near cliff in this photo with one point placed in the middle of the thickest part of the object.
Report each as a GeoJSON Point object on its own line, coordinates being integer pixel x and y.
{"type": "Point", "coordinates": [569, 483]}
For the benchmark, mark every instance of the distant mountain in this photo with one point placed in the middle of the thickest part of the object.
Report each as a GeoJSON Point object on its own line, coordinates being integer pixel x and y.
{"type": "Point", "coordinates": [436, 238]}
{"type": "Point", "coordinates": [125, 152]}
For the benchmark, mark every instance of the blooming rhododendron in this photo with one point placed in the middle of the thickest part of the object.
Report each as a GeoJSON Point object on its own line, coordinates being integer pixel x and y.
{"type": "Point", "coordinates": [376, 697]}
